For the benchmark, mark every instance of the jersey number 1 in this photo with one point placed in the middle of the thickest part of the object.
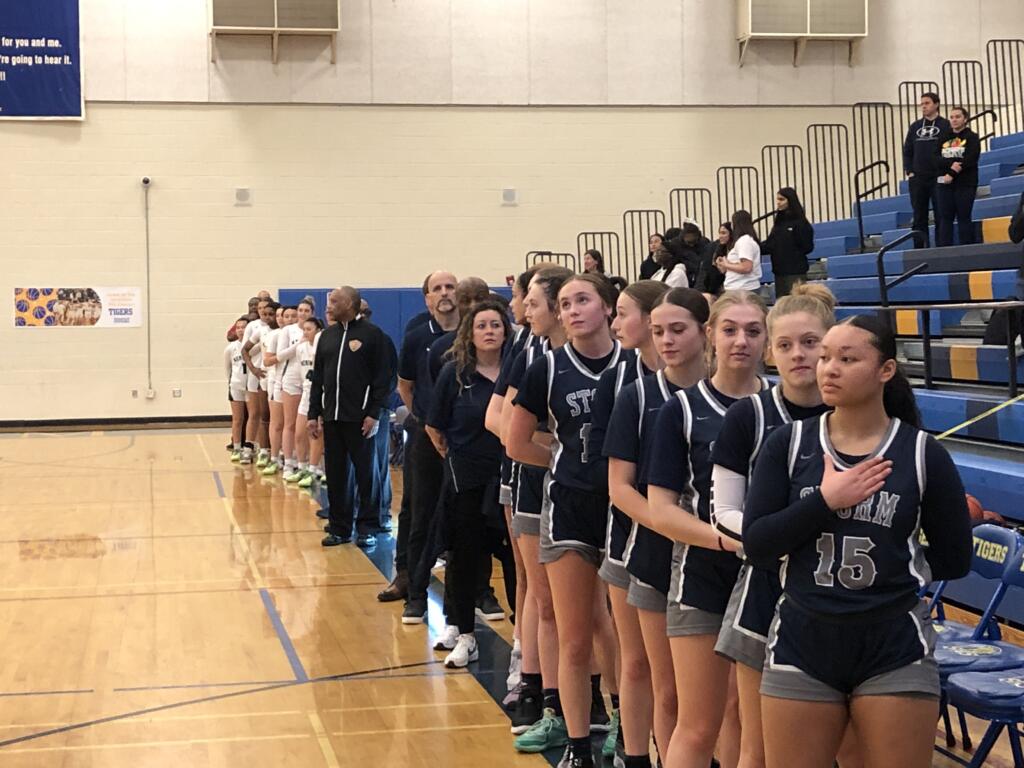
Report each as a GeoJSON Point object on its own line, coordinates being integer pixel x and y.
{"type": "Point", "coordinates": [585, 443]}
{"type": "Point", "coordinates": [857, 571]}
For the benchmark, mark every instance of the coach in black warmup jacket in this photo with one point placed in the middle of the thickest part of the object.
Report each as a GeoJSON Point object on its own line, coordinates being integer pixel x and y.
{"type": "Point", "coordinates": [351, 375]}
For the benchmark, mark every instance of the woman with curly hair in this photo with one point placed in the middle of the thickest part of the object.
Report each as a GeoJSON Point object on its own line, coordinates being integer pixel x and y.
{"type": "Point", "coordinates": [472, 456]}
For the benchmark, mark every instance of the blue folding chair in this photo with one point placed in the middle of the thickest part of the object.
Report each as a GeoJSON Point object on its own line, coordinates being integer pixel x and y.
{"type": "Point", "coordinates": [994, 549]}
{"type": "Point", "coordinates": [997, 555]}
{"type": "Point", "coordinates": [992, 692]}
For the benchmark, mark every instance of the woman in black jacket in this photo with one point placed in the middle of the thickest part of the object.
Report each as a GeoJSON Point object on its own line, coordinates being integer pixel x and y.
{"type": "Point", "coordinates": [709, 277]}
{"type": "Point", "coordinates": [790, 241]}
{"type": "Point", "coordinates": [958, 180]}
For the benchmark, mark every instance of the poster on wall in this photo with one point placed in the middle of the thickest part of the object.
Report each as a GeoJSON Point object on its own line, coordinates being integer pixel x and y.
{"type": "Point", "coordinates": [40, 60]}
{"type": "Point", "coordinates": [77, 307]}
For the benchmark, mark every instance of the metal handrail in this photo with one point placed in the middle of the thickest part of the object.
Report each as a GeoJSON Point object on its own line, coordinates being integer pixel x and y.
{"type": "Point", "coordinates": [883, 285]}
{"type": "Point", "coordinates": [995, 119]}
{"type": "Point", "coordinates": [859, 195]}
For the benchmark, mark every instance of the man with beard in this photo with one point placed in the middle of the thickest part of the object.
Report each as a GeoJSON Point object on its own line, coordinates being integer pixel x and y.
{"type": "Point", "coordinates": [421, 469]}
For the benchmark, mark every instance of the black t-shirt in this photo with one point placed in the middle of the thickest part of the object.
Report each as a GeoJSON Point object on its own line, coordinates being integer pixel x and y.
{"type": "Point", "coordinates": [458, 410]}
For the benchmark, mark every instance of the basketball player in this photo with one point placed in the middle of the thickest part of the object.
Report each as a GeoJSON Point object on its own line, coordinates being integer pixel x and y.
{"type": "Point", "coordinates": [309, 451]}
{"type": "Point", "coordinates": [845, 498]}
{"type": "Point", "coordinates": [234, 366]}
{"type": "Point", "coordinates": [705, 563]}
{"type": "Point", "coordinates": [284, 316]}
{"type": "Point", "coordinates": [255, 399]}
{"type": "Point", "coordinates": [573, 520]}
{"type": "Point", "coordinates": [677, 327]}
{"type": "Point", "coordinates": [291, 383]}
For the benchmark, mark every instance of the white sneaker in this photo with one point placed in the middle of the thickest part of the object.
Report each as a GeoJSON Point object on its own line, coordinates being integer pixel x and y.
{"type": "Point", "coordinates": [447, 640]}
{"type": "Point", "coordinates": [465, 651]}
{"type": "Point", "coordinates": [515, 664]}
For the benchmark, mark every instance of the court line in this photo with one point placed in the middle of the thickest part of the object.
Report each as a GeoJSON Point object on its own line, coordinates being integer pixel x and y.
{"type": "Point", "coordinates": [282, 635]}
{"type": "Point", "coordinates": [165, 743]}
{"type": "Point", "coordinates": [182, 686]}
{"type": "Point", "coordinates": [425, 729]}
{"type": "Point", "coordinates": [323, 740]}
{"type": "Point", "coordinates": [203, 700]}
{"type": "Point", "coordinates": [12, 694]}
{"type": "Point", "coordinates": [220, 486]}
{"type": "Point", "coordinates": [40, 598]}
{"type": "Point", "coordinates": [206, 453]}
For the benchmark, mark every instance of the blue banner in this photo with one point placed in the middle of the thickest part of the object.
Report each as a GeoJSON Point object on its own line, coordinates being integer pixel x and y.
{"type": "Point", "coordinates": [40, 60]}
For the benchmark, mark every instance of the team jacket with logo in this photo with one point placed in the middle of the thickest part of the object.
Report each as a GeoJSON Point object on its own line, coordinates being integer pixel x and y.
{"type": "Point", "coordinates": [352, 372]}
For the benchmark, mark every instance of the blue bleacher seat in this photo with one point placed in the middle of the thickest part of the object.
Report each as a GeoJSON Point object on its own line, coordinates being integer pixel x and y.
{"type": "Point", "coordinates": [1011, 155]}
{"type": "Point", "coordinates": [951, 259]}
{"type": "Point", "coordinates": [1010, 140]}
{"type": "Point", "coordinates": [921, 289]}
{"type": "Point", "coordinates": [986, 173]}
{"type": "Point", "coordinates": [1008, 185]}
{"type": "Point", "coordinates": [825, 247]}
{"type": "Point", "coordinates": [874, 224]}
{"type": "Point", "coordinates": [899, 203]}
{"type": "Point", "coordinates": [994, 207]}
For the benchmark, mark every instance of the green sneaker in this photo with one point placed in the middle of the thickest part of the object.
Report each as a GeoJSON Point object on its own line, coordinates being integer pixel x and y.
{"type": "Point", "coordinates": [236, 456]}
{"type": "Point", "coordinates": [306, 481]}
{"type": "Point", "coordinates": [263, 460]}
{"type": "Point", "coordinates": [270, 469]}
{"type": "Point", "coordinates": [294, 476]}
{"type": "Point", "coordinates": [546, 733]}
{"type": "Point", "coordinates": [608, 750]}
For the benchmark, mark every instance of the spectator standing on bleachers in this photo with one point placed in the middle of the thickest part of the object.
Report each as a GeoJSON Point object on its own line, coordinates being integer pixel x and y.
{"type": "Point", "coordinates": [742, 265]}
{"type": "Point", "coordinates": [920, 162]}
{"type": "Point", "coordinates": [958, 150]}
{"type": "Point", "coordinates": [649, 266]}
{"type": "Point", "coordinates": [789, 243]}
{"type": "Point", "coordinates": [709, 276]}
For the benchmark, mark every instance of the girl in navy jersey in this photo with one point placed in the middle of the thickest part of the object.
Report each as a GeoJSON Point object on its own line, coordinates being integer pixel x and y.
{"type": "Point", "coordinates": [705, 565]}
{"type": "Point", "coordinates": [455, 424]}
{"type": "Point", "coordinates": [845, 498]}
{"type": "Point", "coordinates": [677, 327]}
{"type": "Point", "coordinates": [631, 327]}
{"type": "Point", "coordinates": [561, 387]}
{"type": "Point", "coordinates": [796, 325]}
{"type": "Point", "coordinates": [538, 720]}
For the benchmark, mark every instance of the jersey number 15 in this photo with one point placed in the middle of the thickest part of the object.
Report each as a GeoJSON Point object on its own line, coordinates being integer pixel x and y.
{"type": "Point", "coordinates": [857, 570]}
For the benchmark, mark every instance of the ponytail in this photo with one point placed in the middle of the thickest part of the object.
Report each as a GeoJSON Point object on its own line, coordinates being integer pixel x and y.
{"type": "Point", "coordinates": [898, 396]}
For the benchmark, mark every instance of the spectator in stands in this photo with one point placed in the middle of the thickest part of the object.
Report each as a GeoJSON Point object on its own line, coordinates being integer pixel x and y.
{"type": "Point", "coordinates": [593, 261]}
{"type": "Point", "coordinates": [693, 248]}
{"type": "Point", "coordinates": [649, 266]}
{"type": "Point", "coordinates": [671, 269]}
{"type": "Point", "coordinates": [920, 162]}
{"type": "Point", "coordinates": [790, 241]}
{"type": "Point", "coordinates": [958, 180]}
{"type": "Point", "coordinates": [742, 265]}
{"type": "Point", "coordinates": [710, 277]}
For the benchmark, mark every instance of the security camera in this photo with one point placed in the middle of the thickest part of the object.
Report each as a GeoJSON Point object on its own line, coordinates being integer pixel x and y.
{"type": "Point", "coordinates": [146, 181]}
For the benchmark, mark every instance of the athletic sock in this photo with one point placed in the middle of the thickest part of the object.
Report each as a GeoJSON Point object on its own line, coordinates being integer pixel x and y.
{"type": "Point", "coordinates": [552, 701]}
{"type": "Point", "coordinates": [580, 747]}
{"type": "Point", "coordinates": [236, 446]}
{"type": "Point", "coordinates": [531, 681]}
{"type": "Point", "coordinates": [638, 761]}
{"type": "Point", "coordinates": [615, 700]}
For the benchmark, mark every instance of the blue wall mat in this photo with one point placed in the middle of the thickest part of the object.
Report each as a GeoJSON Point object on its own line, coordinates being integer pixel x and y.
{"type": "Point", "coordinates": [392, 307]}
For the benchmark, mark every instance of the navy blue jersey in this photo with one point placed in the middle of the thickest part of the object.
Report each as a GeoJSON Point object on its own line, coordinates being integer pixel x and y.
{"type": "Point", "coordinates": [413, 364]}
{"type": "Point", "coordinates": [561, 386]}
{"type": "Point", "coordinates": [458, 410]}
{"type": "Point", "coordinates": [867, 559]}
{"type": "Point", "coordinates": [648, 554]}
{"type": "Point", "coordinates": [687, 427]}
{"type": "Point", "coordinates": [522, 340]}
{"type": "Point", "coordinates": [437, 355]}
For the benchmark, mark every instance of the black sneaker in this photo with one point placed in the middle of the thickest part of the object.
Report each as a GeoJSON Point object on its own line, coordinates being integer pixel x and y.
{"type": "Point", "coordinates": [366, 540]}
{"type": "Point", "coordinates": [323, 514]}
{"type": "Point", "coordinates": [487, 607]}
{"type": "Point", "coordinates": [415, 611]}
{"type": "Point", "coordinates": [571, 760]}
{"type": "Point", "coordinates": [333, 540]}
{"type": "Point", "coordinates": [599, 720]}
{"type": "Point", "coordinates": [529, 709]}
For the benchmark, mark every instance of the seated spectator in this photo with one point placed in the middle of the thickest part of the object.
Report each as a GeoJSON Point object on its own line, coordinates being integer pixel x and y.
{"type": "Point", "coordinates": [649, 266]}
{"type": "Point", "coordinates": [671, 270]}
{"type": "Point", "coordinates": [593, 262]}
{"type": "Point", "coordinates": [790, 242]}
{"type": "Point", "coordinates": [692, 249]}
{"type": "Point", "coordinates": [709, 277]}
{"type": "Point", "coordinates": [958, 151]}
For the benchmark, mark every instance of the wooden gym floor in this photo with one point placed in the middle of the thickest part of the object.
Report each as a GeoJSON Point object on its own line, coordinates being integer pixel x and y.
{"type": "Point", "coordinates": [161, 606]}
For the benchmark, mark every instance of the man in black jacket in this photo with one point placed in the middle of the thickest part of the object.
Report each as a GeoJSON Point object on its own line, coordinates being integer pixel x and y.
{"type": "Point", "coordinates": [920, 162]}
{"type": "Point", "coordinates": [351, 377]}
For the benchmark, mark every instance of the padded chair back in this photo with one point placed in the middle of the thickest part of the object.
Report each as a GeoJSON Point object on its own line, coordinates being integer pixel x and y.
{"type": "Point", "coordinates": [995, 549]}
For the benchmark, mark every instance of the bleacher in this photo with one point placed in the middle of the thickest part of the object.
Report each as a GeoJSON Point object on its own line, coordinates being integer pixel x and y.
{"type": "Point", "coordinates": [967, 378]}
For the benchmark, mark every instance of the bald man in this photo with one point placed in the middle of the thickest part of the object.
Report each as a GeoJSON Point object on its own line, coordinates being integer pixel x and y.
{"type": "Point", "coordinates": [350, 384]}
{"type": "Point", "coordinates": [469, 291]}
{"type": "Point", "coordinates": [421, 469]}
